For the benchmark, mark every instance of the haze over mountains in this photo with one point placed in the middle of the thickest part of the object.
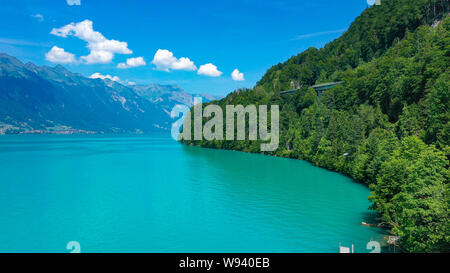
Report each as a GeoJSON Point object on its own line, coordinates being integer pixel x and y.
{"type": "Point", "coordinates": [47, 99]}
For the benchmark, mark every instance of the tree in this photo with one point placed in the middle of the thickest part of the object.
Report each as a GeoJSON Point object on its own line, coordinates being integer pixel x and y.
{"type": "Point", "coordinates": [423, 204]}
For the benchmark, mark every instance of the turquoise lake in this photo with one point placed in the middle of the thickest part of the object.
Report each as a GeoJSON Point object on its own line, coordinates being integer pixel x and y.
{"type": "Point", "coordinates": [152, 194]}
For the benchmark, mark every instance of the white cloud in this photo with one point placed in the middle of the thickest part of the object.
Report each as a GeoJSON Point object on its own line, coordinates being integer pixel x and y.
{"type": "Point", "coordinates": [73, 2]}
{"type": "Point", "coordinates": [237, 76]}
{"type": "Point", "coordinates": [101, 49]}
{"type": "Point", "coordinates": [164, 60]}
{"type": "Point", "coordinates": [38, 17]}
{"type": "Point", "coordinates": [130, 83]}
{"type": "Point", "coordinates": [98, 57]}
{"type": "Point", "coordinates": [132, 62]}
{"type": "Point", "coordinates": [103, 77]}
{"type": "Point", "coordinates": [112, 46]}
{"type": "Point", "coordinates": [184, 64]}
{"type": "Point", "coordinates": [209, 70]}
{"type": "Point", "coordinates": [59, 55]}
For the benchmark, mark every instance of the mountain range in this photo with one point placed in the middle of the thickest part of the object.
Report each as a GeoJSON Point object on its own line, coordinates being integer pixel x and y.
{"type": "Point", "coordinates": [47, 99]}
{"type": "Point", "coordinates": [387, 124]}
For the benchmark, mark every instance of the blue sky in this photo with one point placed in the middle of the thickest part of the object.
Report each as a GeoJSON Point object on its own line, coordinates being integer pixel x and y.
{"type": "Point", "coordinates": [208, 40]}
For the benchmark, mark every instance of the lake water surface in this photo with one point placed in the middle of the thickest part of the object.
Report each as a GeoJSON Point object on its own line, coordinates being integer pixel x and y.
{"type": "Point", "coordinates": [152, 194]}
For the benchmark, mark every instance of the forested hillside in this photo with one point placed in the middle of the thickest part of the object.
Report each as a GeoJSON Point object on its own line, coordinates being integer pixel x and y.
{"type": "Point", "coordinates": [387, 125]}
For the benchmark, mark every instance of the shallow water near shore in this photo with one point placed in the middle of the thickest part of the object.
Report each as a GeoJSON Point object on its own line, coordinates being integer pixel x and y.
{"type": "Point", "coordinates": [152, 194]}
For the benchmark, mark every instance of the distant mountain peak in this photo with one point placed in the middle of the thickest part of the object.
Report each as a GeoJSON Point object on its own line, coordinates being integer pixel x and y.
{"type": "Point", "coordinates": [61, 69]}
{"type": "Point", "coordinates": [42, 99]}
{"type": "Point", "coordinates": [31, 65]}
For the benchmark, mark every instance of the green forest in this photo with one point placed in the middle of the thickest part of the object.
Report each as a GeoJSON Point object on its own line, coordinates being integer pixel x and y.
{"type": "Point", "coordinates": [387, 125]}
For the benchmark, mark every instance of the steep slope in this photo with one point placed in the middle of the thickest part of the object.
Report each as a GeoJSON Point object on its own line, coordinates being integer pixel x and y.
{"type": "Point", "coordinates": [40, 98]}
{"type": "Point", "coordinates": [387, 125]}
{"type": "Point", "coordinates": [369, 36]}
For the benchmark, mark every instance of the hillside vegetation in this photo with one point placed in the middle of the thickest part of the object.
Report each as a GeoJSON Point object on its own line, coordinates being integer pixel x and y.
{"type": "Point", "coordinates": [54, 100]}
{"type": "Point", "coordinates": [387, 125]}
